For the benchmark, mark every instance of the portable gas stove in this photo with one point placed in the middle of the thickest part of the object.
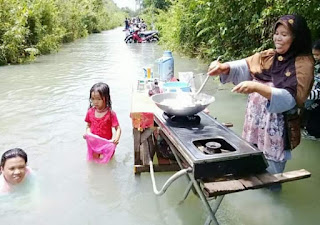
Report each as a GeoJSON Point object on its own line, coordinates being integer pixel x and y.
{"type": "Point", "coordinates": [181, 121]}
{"type": "Point", "coordinates": [211, 149]}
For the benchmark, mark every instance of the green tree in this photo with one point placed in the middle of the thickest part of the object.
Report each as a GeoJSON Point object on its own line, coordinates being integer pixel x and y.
{"type": "Point", "coordinates": [159, 4]}
{"type": "Point", "coordinates": [31, 27]}
{"type": "Point", "coordinates": [234, 28]}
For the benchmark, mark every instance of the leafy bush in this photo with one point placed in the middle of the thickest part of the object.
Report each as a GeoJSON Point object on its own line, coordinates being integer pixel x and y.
{"type": "Point", "coordinates": [234, 28]}
{"type": "Point", "coordinates": [29, 28]}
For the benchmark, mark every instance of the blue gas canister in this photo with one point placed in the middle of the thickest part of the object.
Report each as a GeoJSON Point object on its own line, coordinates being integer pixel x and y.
{"type": "Point", "coordinates": [166, 66]}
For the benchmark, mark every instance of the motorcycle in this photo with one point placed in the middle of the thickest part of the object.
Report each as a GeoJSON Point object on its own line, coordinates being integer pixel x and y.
{"type": "Point", "coordinates": [145, 36]}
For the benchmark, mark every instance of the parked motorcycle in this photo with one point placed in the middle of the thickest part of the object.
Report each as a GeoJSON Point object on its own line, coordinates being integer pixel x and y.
{"type": "Point", "coordinates": [145, 36]}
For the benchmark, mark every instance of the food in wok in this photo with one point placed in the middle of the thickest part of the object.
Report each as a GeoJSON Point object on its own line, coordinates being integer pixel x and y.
{"type": "Point", "coordinates": [182, 103]}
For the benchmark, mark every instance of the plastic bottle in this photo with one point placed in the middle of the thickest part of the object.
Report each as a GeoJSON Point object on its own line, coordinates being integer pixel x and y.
{"type": "Point", "coordinates": [166, 66]}
{"type": "Point", "coordinates": [155, 88]}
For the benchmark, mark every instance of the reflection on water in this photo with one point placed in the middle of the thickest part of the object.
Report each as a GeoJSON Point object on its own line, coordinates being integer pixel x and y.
{"type": "Point", "coordinates": [43, 105]}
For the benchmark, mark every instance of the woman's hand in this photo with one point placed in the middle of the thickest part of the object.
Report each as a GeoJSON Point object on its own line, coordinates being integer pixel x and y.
{"type": "Point", "coordinates": [248, 87]}
{"type": "Point", "coordinates": [217, 68]}
{"type": "Point", "coordinates": [245, 87]}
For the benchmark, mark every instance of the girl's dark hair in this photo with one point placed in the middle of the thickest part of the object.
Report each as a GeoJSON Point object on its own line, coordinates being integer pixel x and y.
{"type": "Point", "coordinates": [12, 153]}
{"type": "Point", "coordinates": [302, 42]}
{"type": "Point", "coordinates": [104, 91]}
{"type": "Point", "coordinates": [316, 45]}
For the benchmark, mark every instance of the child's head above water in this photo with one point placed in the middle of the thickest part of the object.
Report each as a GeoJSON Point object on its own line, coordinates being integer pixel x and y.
{"type": "Point", "coordinates": [316, 50]}
{"type": "Point", "coordinates": [100, 96]}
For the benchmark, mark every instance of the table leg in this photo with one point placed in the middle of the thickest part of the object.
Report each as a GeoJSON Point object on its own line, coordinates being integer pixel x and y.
{"type": "Point", "coordinates": [214, 209]}
{"type": "Point", "coordinates": [204, 199]}
{"type": "Point", "coordinates": [187, 191]}
{"type": "Point", "coordinates": [195, 184]}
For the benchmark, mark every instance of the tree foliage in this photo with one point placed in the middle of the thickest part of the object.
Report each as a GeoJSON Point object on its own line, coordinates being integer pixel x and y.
{"type": "Point", "coordinates": [31, 27]}
{"type": "Point", "coordinates": [159, 4]}
{"type": "Point", "coordinates": [234, 28]}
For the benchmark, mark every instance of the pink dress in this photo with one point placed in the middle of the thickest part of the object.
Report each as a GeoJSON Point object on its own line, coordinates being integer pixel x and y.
{"type": "Point", "coordinates": [103, 148]}
{"type": "Point", "coordinates": [100, 148]}
{"type": "Point", "coordinates": [102, 126]}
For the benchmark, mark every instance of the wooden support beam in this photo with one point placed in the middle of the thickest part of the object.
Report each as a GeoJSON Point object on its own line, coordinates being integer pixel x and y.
{"type": "Point", "coordinates": [145, 134]}
{"type": "Point", "coordinates": [144, 153]}
{"type": "Point", "coordinates": [136, 146]}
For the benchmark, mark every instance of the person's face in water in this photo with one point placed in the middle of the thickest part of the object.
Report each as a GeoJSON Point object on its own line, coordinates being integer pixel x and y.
{"type": "Point", "coordinates": [282, 39]}
{"type": "Point", "coordinates": [316, 54]}
{"type": "Point", "coordinates": [97, 101]}
{"type": "Point", "coordinates": [14, 170]}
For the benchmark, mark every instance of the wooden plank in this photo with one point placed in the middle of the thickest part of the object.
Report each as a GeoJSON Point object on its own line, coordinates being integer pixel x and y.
{"type": "Point", "coordinates": [136, 146]}
{"type": "Point", "coordinates": [251, 182]}
{"type": "Point", "coordinates": [267, 178]}
{"type": "Point", "coordinates": [152, 146]}
{"type": "Point", "coordinates": [222, 187]}
{"type": "Point", "coordinates": [157, 168]}
{"type": "Point", "coordinates": [212, 189]}
{"type": "Point", "coordinates": [146, 134]}
{"type": "Point", "coordinates": [145, 153]}
{"type": "Point", "coordinates": [292, 175]}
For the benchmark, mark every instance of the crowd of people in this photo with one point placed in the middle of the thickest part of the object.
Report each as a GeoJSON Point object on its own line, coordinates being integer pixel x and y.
{"type": "Point", "coordinates": [134, 23]}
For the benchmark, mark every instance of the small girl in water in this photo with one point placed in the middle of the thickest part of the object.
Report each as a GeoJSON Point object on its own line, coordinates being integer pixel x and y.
{"type": "Point", "coordinates": [100, 118]}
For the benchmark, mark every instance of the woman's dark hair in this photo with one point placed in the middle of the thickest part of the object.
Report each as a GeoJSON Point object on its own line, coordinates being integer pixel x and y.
{"type": "Point", "coordinates": [302, 41]}
{"type": "Point", "coordinates": [316, 45]}
{"type": "Point", "coordinates": [104, 91]}
{"type": "Point", "coordinates": [12, 153]}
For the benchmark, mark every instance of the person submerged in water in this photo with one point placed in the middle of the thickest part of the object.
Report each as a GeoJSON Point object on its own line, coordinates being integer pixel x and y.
{"type": "Point", "coordinates": [14, 170]}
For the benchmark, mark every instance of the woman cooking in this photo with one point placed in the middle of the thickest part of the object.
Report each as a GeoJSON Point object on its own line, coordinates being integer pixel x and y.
{"type": "Point", "coordinates": [277, 80]}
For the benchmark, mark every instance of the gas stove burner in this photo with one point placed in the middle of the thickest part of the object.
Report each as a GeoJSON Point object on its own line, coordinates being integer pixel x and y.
{"type": "Point", "coordinates": [182, 121]}
{"type": "Point", "coordinates": [212, 147]}
{"type": "Point", "coordinates": [237, 156]}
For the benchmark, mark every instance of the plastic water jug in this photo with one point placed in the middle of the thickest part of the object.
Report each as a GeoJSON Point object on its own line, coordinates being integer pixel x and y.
{"type": "Point", "coordinates": [166, 66]}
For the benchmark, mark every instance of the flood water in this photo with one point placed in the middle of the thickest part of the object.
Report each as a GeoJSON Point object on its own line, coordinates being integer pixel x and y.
{"type": "Point", "coordinates": [43, 105]}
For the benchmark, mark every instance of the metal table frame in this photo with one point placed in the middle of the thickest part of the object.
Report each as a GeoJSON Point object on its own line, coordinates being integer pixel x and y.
{"type": "Point", "coordinates": [200, 187]}
{"type": "Point", "coordinates": [193, 184]}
